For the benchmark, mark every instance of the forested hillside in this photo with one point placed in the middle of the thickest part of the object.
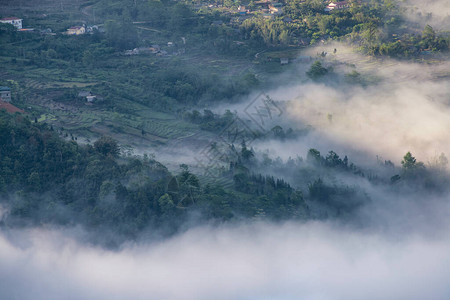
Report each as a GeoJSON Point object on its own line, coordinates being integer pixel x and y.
{"type": "Point", "coordinates": [45, 179]}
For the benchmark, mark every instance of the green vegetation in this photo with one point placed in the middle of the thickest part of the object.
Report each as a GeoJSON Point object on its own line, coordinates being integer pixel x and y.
{"type": "Point", "coordinates": [46, 179]}
{"type": "Point", "coordinates": [204, 53]}
{"type": "Point", "coordinates": [153, 67]}
{"type": "Point", "coordinates": [316, 70]}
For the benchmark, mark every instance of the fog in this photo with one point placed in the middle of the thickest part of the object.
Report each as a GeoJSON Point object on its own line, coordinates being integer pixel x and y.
{"type": "Point", "coordinates": [433, 12]}
{"type": "Point", "coordinates": [250, 261]}
{"type": "Point", "coordinates": [389, 122]}
{"type": "Point", "coordinates": [405, 109]}
{"type": "Point", "coordinates": [397, 107]}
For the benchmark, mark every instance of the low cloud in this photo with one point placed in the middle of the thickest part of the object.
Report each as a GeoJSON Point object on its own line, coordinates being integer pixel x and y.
{"type": "Point", "coordinates": [433, 12]}
{"type": "Point", "coordinates": [254, 261]}
{"type": "Point", "coordinates": [406, 110]}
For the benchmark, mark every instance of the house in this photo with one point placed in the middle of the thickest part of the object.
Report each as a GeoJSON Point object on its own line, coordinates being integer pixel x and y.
{"type": "Point", "coordinates": [91, 98]}
{"type": "Point", "coordinates": [16, 22]}
{"type": "Point", "coordinates": [135, 51]}
{"type": "Point", "coordinates": [330, 7]}
{"type": "Point", "coordinates": [93, 28]}
{"type": "Point", "coordinates": [88, 95]}
{"type": "Point", "coordinates": [337, 5]}
{"type": "Point", "coordinates": [47, 31]}
{"type": "Point", "coordinates": [140, 50]}
{"type": "Point", "coordinates": [84, 94]}
{"type": "Point", "coordinates": [9, 107]}
{"type": "Point", "coordinates": [155, 48]}
{"type": "Point", "coordinates": [242, 10]}
{"type": "Point", "coordinates": [284, 60]}
{"type": "Point", "coordinates": [342, 5]}
{"type": "Point", "coordinates": [76, 30]}
{"type": "Point", "coordinates": [162, 53]}
{"type": "Point", "coordinates": [144, 50]}
{"type": "Point", "coordinates": [5, 93]}
{"type": "Point", "coordinates": [276, 8]}
{"type": "Point", "coordinates": [90, 29]}
{"type": "Point", "coordinates": [262, 4]}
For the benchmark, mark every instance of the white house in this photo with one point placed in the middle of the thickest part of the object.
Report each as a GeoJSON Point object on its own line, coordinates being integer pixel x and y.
{"type": "Point", "coordinates": [337, 5]}
{"type": "Point", "coordinates": [13, 21]}
{"type": "Point", "coordinates": [5, 93]}
{"type": "Point", "coordinates": [91, 99]}
{"type": "Point", "coordinates": [76, 30]}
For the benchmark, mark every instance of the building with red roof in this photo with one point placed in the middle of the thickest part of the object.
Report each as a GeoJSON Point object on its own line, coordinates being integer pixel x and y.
{"type": "Point", "coordinates": [9, 107]}
{"type": "Point", "coordinates": [337, 5]}
{"type": "Point", "coordinates": [13, 21]}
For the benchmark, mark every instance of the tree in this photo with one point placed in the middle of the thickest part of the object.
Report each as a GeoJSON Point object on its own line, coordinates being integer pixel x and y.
{"type": "Point", "coordinates": [353, 77]}
{"type": "Point", "coordinates": [412, 168]}
{"type": "Point", "coordinates": [246, 153]}
{"type": "Point", "coordinates": [121, 35]}
{"type": "Point", "coordinates": [333, 159]}
{"type": "Point", "coordinates": [34, 181]}
{"type": "Point", "coordinates": [439, 162]}
{"type": "Point", "coordinates": [166, 204]}
{"type": "Point", "coordinates": [314, 156]}
{"type": "Point", "coordinates": [284, 37]}
{"type": "Point", "coordinates": [428, 33]}
{"type": "Point", "coordinates": [318, 190]}
{"type": "Point", "coordinates": [278, 132]}
{"type": "Point", "coordinates": [370, 36]}
{"type": "Point", "coordinates": [250, 80]}
{"type": "Point", "coordinates": [408, 162]}
{"type": "Point", "coordinates": [443, 161]}
{"type": "Point", "coordinates": [316, 70]}
{"type": "Point", "coordinates": [107, 146]}
{"type": "Point", "coordinates": [181, 17]}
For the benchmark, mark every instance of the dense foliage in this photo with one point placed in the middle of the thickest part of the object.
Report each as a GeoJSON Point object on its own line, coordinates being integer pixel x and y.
{"type": "Point", "coordinates": [45, 179]}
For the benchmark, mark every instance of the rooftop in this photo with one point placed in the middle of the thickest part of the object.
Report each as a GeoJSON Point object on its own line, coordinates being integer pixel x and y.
{"type": "Point", "coordinates": [336, 3]}
{"type": "Point", "coordinates": [4, 88]}
{"type": "Point", "coordinates": [10, 19]}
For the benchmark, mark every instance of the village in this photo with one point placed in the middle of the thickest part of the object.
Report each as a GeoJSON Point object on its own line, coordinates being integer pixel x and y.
{"type": "Point", "coordinates": [268, 9]}
{"type": "Point", "coordinates": [237, 14]}
{"type": "Point", "coordinates": [224, 23]}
